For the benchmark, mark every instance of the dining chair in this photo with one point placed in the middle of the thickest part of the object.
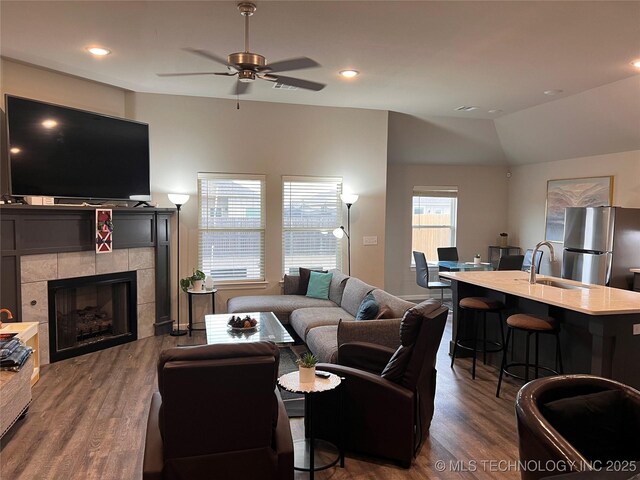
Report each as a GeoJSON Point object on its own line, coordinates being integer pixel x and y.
{"type": "Point", "coordinates": [422, 275]}
{"type": "Point", "coordinates": [526, 264]}
{"type": "Point", "coordinates": [448, 254]}
{"type": "Point", "coordinates": [510, 262]}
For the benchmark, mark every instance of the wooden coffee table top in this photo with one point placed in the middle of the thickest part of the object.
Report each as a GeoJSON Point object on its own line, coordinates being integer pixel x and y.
{"type": "Point", "coordinates": [268, 328]}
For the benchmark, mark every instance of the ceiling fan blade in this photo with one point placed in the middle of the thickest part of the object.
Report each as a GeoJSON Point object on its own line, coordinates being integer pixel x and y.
{"type": "Point", "coordinates": [240, 88]}
{"type": "Point", "coordinates": [208, 55]}
{"type": "Point", "coordinates": [192, 73]}
{"type": "Point", "coordinates": [297, 82]}
{"type": "Point", "coordinates": [291, 64]}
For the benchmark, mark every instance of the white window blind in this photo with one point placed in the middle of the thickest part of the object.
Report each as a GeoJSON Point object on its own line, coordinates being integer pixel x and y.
{"type": "Point", "coordinates": [433, 219]}
{"type": "Point", "coordinates": [311, 210]}
{"type": "Point", "coordinates": [231, 226]}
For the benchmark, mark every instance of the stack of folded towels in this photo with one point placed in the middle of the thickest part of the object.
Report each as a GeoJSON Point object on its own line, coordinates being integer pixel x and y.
{"type": "Point", "coordinates": [13, 354]}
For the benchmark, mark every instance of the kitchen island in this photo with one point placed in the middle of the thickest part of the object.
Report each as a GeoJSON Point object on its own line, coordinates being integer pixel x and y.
{"type": "Point", "coordinates": [597, 323]}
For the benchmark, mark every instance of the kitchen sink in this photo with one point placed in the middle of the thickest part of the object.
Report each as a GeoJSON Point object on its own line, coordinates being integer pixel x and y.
{"type": "Point", "coordinates": [566, 286]}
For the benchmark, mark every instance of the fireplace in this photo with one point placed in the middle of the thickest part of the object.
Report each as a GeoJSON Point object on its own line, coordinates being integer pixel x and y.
{"type": "Point", "coordinates": [91, 313]}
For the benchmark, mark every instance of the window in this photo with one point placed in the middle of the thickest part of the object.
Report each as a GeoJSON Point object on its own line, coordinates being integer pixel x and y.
{"type": "Point", "coordinates": [433, 220]}
{"type": "Point", "coordinates": [311, 210]}
{"type": "Point", "coordinates": [231, 226]}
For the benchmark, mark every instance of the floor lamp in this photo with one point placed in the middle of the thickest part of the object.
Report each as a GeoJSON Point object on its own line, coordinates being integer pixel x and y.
{"type": "Point", "coordinates": [178, 199]}
{"type": "Point", "coordinates": [349, 199]}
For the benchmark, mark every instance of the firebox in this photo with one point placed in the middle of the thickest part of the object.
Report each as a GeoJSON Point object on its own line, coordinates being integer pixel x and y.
{"type": "Point", "coordinates": [91, 313]}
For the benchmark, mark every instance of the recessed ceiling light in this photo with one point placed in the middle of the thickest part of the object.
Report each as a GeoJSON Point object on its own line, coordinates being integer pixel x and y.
{"type": "Point", "coordinates": [98, 51]}
{"type": "Point", "coordinates": [15, 150]}
{"type": "Point", "coordinates": [49, 123]}
{"type": "Point", "coordinates": [636, 63]}
{"type": "Point", "coordinates": [553, 92]}
{"type": "Point", "coordinates": [495, 110]}
{"type": "Point", "coordinates": [349, 73]}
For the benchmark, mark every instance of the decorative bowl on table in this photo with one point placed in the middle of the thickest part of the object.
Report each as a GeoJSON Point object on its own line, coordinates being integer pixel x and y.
{"type": "Point", "coordinates": [242, 324]}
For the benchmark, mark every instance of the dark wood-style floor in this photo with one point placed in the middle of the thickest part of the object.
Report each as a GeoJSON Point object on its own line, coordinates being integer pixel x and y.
{"type": "Point", "coordinates": [89, 414]}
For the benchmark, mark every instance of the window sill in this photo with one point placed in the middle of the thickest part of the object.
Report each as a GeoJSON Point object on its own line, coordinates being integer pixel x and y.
{"type": "Point", "coordinates": [241, 285]}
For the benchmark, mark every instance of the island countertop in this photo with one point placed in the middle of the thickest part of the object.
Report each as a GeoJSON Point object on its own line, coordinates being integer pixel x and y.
{"type": "Point", "coordinates": [594, 300]}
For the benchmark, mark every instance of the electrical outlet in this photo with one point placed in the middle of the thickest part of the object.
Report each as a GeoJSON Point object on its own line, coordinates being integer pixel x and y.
{"type": "Point", "coordinates": [373, 240]}
{"type": "Point", "coordinates": [636, 329]}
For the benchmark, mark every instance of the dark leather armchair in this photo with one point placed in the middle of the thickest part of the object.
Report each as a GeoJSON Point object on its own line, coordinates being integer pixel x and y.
{"type": "Point", "coordinates": [388, 395]}
{"type": "Point", "coordinates": [217, 415]}
{"type": "Point", "coordinates": [575, 420]}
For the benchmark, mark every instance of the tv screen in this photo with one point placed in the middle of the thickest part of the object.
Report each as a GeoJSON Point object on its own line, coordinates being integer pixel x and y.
{"type": "Point", "coordinates": [62, 152]}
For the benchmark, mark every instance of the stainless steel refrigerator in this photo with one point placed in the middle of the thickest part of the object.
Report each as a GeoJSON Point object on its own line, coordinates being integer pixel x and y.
{"type": "Point", "coordinates": [601, 244]}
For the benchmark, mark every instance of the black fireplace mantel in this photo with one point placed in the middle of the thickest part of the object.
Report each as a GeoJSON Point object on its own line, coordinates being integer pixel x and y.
{"type": "Point", "coordinates": [32, 230]}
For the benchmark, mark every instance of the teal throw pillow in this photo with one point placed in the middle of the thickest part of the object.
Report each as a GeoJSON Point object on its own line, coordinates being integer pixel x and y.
{"type": "Point", "coordinates": [368, 309]}
{"type": "Point", "coordinates": [319, 284]}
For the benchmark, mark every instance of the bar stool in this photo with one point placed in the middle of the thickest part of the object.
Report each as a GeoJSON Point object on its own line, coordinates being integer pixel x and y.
{"type": "Point", "coordinates": [478, 307]}
{"type": "Point", "coordinates": [531, 325]}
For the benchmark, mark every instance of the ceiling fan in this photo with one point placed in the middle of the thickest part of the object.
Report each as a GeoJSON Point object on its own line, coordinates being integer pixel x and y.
{"type": "Point", "coordinates": [248, 66]}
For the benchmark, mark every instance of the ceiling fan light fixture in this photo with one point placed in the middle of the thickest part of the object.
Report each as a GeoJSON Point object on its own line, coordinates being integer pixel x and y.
{"type": "Point", "coordinates": [349, 73]}
{"type": "Point", "coordinates": [636, 63]}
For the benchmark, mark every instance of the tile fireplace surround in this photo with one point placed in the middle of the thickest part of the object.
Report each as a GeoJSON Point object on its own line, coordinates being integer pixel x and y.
{"type": "Point", "coordinates": [37, 270]}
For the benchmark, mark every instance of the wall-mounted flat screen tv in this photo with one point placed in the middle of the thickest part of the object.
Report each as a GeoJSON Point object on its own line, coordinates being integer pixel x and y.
{"type": "Point", "coordinates": [63, 152]}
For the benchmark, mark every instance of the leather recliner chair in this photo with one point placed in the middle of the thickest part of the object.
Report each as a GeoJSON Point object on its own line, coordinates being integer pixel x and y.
{"type": "Point", "coordinates": [576, 423]}
{"type": "Point", "coordinates": [387, 396]}
{"type": "Point", "coordinates": [217, 415]}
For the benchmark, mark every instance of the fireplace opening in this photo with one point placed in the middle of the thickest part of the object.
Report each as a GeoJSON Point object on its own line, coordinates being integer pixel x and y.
{"type": "Point", "coordinates": [91, 313]}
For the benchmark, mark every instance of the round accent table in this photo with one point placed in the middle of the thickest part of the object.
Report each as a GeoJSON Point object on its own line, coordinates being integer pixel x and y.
{"type": "Point", "coordinates": [191, 294]}
{"type": "Point", "coordinates": [309, 452]}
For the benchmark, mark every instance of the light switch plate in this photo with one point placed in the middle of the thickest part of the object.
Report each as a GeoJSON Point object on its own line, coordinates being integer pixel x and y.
{"type": "Point", "coordinates": [636, 329]}
{"type": "Point", "coordinates": [373, 240]}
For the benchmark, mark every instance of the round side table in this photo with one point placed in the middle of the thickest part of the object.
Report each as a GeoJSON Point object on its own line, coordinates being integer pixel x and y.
{"type": "Point", "coordinates": [191, 294]}
{"type": "Point", "coordinates": [305, 450]}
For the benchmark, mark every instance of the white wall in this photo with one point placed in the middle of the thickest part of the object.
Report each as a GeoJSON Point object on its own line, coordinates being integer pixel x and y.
{"type": "Point", "coordinates": [528, 190]}
{"type": "Point", "coordinates": [482, 215]}
{"type": "Point", "coordinates": [193, 134]}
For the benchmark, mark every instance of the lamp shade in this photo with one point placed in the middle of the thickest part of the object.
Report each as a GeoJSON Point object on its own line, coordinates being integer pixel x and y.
{"type": "Point", "coordinates": [349, 198]}
{"type": "Point", "coordinates": [338, 232]}
{"type": "Point", "coordinates": [178, 198]}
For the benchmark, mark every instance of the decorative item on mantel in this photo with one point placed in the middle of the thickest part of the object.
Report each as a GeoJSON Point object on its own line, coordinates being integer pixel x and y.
{"type": "Point", "coordinates": [307, 367]}
{"type": "Point", "coordinates": [104, 230]}
{"type": "Point", "coordinates": [476, 259]}
{"type": "Point", "coordinates": [504, 239]}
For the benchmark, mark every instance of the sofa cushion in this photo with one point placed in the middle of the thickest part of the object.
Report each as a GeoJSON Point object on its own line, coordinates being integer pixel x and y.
{"type": "Point", "coordinates": [397, 305]}
{"type": "Point", "coordinates": [368, 309]}
{"type": "Point", "coordinates": [281, 305]}
{"type": "Point", "coordinates": [319, 285]}
{"type": "Point", "coordinates": [303, 282]}
{"type": "Point", "coordinates": [304, 319]}
{"type": "Point", "coordinates": [354, 291]}
{"type": "Point", "coordinates": [338, 282]}
{"type": "Point", "coordinates": [323, 342]}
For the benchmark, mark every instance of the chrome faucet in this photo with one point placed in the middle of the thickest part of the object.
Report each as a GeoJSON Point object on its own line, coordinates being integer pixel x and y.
{"type": "Point", "coordinates": [532, 270]}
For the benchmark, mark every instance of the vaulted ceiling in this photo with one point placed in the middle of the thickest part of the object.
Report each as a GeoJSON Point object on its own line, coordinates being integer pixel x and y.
{"type": "Point", "coordinates": [421, 59]}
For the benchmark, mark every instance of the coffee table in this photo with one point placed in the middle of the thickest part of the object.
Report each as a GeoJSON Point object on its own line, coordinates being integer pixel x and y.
{"type": "Point", "coordinates": [268, 329]}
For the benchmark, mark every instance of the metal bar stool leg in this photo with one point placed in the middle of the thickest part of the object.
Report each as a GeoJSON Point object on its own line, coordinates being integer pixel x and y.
{"type": "Point", "coordinates": [526, 361]}
{"type": "Point", "coordinates": [484, 338]}
{"type": "Point", "coordinates": [537, 362]}
{"type": "Point", "coordinates": [475, 345]}
{"type": "Point", "coordinates": [457, 339]}
{"type": "Point", "coordinates": [559, 353]}
{"type": "Point", "coordinates": [504, 362]}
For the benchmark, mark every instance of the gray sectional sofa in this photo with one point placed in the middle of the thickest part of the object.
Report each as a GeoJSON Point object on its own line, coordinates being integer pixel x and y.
{"type": "Point", "coordinates": [325, 324]}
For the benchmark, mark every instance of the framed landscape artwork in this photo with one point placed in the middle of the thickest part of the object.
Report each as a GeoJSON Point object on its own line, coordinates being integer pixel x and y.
{"type": "Point", "coordinates": [574, 192]}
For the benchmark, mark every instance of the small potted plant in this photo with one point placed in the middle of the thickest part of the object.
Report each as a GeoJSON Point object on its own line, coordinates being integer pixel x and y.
{"type": "Point", "coordinates": [476, 259]}
{"type": "Point", "coordinates": [307, 367]}
{"type": "Point", "coordinates": [194, 282]}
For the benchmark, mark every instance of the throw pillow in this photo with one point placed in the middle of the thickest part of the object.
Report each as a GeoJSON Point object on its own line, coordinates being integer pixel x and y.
{"type": "Point", "coordinates": [319, 284]}
{"type": "Point", "coordinates": [303, 284]}
{"type": "Point", "coordinates": [368, 308]}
